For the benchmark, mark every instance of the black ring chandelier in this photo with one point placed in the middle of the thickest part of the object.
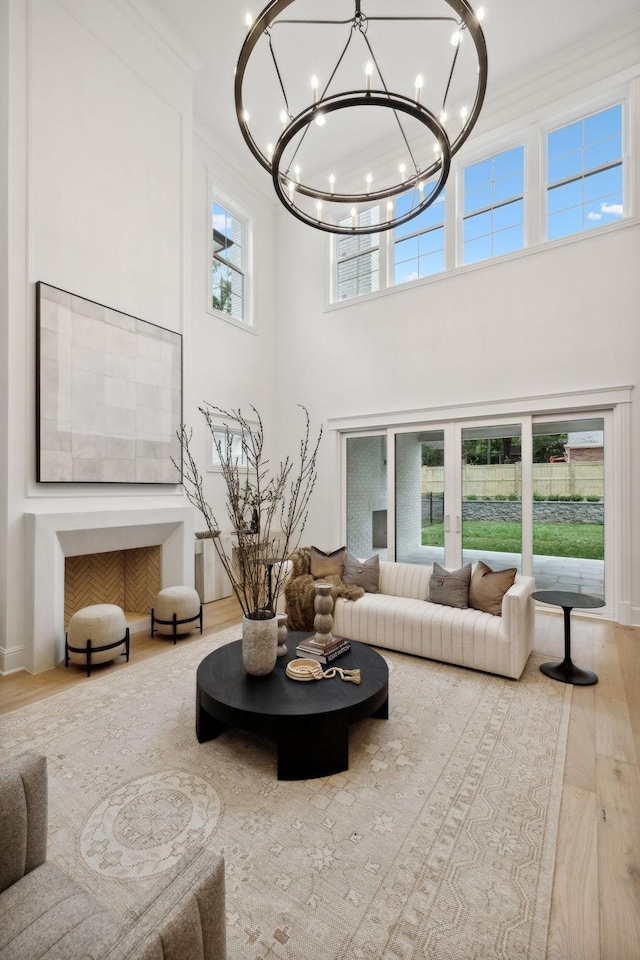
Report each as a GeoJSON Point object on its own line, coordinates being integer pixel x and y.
{"type": "Point", "coordinates": [331, 209]}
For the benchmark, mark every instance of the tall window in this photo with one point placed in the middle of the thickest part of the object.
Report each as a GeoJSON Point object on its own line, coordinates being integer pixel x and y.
{"type": "Point", "coordinates": [358, 258]}
{"type": "Point", "coordinates": [584, 174]}
{"type": "Point", "coordinates": [418, 245]}
{"type": "Point", "coordinates": [228, 263]}
{"type": "Point", "coordinates": [493, 219]}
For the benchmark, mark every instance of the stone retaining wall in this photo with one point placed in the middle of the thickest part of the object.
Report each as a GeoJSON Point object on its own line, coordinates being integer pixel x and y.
{"type": "Point", "coordinates": [544, 511]}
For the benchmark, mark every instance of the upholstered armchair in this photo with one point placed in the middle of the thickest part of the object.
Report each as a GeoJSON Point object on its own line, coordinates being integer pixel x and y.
{"type": "Point", "coordinates": [46, 915]}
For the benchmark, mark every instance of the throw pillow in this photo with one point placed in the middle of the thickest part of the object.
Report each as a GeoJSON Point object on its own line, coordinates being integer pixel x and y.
{"type": "Point", "coordinates": [327, 564]}
{"type": "Point", "coordinates": [364, 573]}
{"type": "Point", "coordinates": [488, 587]}
{"type": "Point", "coordinates": [450, 587]}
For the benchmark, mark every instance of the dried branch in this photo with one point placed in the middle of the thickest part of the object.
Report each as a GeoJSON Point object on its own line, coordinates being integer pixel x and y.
{"type": "Point", "coordinates": [256, 498]}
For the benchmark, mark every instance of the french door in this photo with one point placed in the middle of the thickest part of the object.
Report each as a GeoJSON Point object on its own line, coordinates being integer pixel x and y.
{"type": "Point", "coordinates": [530, 492]}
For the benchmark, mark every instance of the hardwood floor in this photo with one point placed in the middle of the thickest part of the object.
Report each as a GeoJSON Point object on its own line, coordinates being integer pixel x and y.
{"type": "Point", "coordinates": [595, 911]}
{"type": "Point", "coordinates": [18, 689]}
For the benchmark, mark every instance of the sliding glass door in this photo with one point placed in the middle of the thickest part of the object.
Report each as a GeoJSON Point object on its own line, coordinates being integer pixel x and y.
{"type": "Point", "coordinates": [419, 496]}
{"type": "Point", "coordinates": [491, 482]}
{"type": "Point", "coordinates": [526, 492]}
{"type": "Point", "coordinates": [569, 504]}
{"type": "Point", "coordinates": [366, 495]}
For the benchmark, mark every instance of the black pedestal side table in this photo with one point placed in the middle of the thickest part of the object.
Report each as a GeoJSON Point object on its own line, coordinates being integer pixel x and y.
{"type": "Point", "coordinates": [567, 671]}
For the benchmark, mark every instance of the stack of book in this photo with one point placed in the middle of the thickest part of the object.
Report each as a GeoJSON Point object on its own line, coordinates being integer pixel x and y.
{"type": "Point", "coordinates": [323, 654]}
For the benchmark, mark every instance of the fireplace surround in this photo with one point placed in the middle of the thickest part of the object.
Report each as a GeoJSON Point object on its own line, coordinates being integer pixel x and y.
{"type": "Point", "coordinates": [50, 537]}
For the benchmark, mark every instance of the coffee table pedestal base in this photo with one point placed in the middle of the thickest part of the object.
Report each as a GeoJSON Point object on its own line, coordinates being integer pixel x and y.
{"type": "Point", "coordinates": [567, 672]}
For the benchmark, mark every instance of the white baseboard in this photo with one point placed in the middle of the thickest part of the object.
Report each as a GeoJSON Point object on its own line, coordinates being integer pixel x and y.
{"type": "Point", "coordinates": [11, 660]}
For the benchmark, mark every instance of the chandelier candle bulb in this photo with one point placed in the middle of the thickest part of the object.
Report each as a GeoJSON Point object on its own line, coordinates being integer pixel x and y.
{"type": "Point", "coordinates": [296, 170]}
{"type": "Point", "coordinates": [369, 180]}
{"type": "Point", "coordinates": [314, 88]}
{"type": "Point", "coordinates": [248, 21]}
{"type": "Point", "coordinates": [464, 113]}
{"type": "Point", "coordinates": [270, 150]}
{"type": "Point", "coordinates": [284, 119]}
{"type": "Point", "coordinates": [368, 70]}
{"type": "Point", "coordinates": [419, 82]}
{"type": "Point", "coordinates": [353, 217]}
{"type": "Point", "coordinates": [332, 182]}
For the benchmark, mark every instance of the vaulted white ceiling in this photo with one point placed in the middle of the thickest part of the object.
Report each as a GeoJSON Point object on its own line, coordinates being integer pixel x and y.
{"type": "Point", "coordinates": [520, 37]}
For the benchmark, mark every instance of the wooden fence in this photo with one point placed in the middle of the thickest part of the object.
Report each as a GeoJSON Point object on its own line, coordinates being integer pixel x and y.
{"type": "Point", "coordinates": [490, 480]}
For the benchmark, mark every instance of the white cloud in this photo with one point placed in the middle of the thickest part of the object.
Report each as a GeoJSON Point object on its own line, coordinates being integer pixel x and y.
{"type": "Point", "coordinates": [594, 216]}
{"type": "Point", "coordinates": [411, 276]}
{"type": "Point", "coordinates": [219, 222]}
{"type": "Point", "coordinates": [614, 208]}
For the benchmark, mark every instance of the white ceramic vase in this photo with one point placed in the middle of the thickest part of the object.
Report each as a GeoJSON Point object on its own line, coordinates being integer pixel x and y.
{"type": "Point", "coordinates": [259, 645]}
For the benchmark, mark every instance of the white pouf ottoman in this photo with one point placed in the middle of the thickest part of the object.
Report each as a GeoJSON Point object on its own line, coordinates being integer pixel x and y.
{"type": "Point", "coordinates": [176, 612]}
{"type": "Point", "coordinates": [96, 634]}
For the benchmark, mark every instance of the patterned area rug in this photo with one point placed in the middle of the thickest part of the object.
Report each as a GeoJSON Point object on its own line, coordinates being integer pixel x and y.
{"type": "Point", "coordinates": [438, 842]}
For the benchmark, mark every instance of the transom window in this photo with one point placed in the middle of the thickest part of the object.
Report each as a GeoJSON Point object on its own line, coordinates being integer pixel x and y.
{"type": "Point", "coordinates": [358, 258]}
{"type": "Point", "coordinates": [584, 174]}
{"type": "Point", "coordinates": [418, 245]}
{"type": "Point", "coordinates": [483, 214]}
{"type": "Point", "coordinates": [228, 262]}
{"type": "Point", "coordinates": [493, 221]}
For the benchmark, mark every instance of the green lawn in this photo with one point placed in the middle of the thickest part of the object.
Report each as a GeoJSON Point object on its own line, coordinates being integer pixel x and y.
{"type": "Point", "coordinates": [584, 540]}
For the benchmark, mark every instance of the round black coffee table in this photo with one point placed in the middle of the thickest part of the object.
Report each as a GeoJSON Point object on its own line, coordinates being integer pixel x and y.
{"type": "Point", "coordinates": [567, 671]}
{"type": "Point", "coordinates": [309, 720]}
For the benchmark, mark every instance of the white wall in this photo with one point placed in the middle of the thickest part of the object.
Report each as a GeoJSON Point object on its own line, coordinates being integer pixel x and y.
{"type": "Point", "coordinates": [100, 135]}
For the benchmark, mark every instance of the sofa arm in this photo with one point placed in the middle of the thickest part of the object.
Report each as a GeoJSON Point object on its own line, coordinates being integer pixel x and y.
{"type": "Point", "coordinates": [518, 612]}
{"type": "Point", "coordinates": [183, 920]}
{"type": "Point", "coordinates": [23, 816]}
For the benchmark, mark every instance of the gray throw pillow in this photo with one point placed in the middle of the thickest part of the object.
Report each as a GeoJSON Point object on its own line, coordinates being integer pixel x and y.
{"type": "Point", "coordinates": [364, 573]}
{"type": "Point", "coordinates": [450, 587]}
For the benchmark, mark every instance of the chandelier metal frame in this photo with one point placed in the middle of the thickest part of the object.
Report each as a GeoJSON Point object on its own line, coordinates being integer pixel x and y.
{"type": "Point", "coordinates": [428, 180]}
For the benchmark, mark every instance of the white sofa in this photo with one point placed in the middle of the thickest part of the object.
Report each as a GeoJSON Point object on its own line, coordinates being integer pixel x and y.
{"type": "Point", "coordinates": [399, 617]}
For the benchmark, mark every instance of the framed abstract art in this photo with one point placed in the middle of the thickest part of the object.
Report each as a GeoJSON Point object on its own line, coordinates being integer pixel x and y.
{"type": "Point", "coordinates": [109, 394]}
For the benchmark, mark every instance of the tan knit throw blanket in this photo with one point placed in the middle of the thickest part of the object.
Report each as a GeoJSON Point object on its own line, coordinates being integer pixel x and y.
{"type": "Point", "coordinates": [300, 591]}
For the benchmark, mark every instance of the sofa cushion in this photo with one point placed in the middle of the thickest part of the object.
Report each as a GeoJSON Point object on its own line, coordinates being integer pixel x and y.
{"type": "Point", "coordinates": [364, 573]}
{"type": "Point", "coordinates": [450, 587]}
{"type": "Point", "coordinates": [405, 579]}
{"type": "Point", "coordinates": [488, 587]}
{"type": "Point", "coordinates": [47, 915]}
{"type": "Point", "coordinates": [327, 564]}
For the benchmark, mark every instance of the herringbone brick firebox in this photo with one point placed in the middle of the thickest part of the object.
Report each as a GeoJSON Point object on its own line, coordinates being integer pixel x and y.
{"type": "Point", "coordinates": [129, 578]}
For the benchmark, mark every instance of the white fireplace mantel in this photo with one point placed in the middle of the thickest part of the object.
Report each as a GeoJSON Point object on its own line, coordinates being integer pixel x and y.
{"type": "Point", "coordinates": [50, 537]}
